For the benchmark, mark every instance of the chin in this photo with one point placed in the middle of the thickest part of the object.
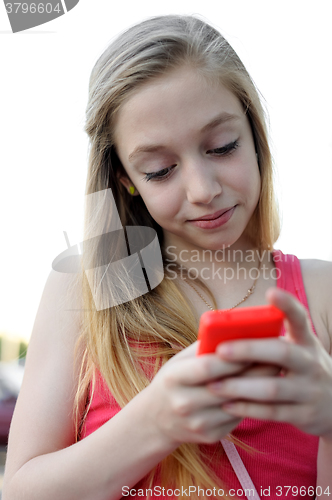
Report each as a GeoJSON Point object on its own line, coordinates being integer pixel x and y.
{"type": "Point", "coordinates": [220, 243]}
{"type": "Point", "coordinates": [214, 245]}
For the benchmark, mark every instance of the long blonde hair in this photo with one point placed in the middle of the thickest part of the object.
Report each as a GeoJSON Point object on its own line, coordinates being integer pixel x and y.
{"type": "Point", "coordinates": [129, 342]}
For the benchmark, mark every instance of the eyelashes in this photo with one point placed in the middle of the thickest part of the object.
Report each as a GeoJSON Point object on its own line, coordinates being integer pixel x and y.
{"type": "Point", "coordinates": [163, 174]}
{"type": "Point", "coordinates": [225, 150]}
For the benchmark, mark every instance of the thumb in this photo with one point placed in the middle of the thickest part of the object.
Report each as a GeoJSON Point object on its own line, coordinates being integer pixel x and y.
{"type": "Point", "coordinates": [297, 321]}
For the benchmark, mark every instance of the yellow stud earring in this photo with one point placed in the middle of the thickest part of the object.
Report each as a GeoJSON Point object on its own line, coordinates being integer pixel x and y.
{"type": "Point", "coordinates": [131, 189]}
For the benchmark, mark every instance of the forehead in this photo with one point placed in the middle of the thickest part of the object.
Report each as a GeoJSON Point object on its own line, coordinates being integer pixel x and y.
{"type": "Point", "coordinates": [182, 99]}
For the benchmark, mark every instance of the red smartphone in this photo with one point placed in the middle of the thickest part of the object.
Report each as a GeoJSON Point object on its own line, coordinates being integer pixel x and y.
{"type": "Point", "coordinates": [243, 323]}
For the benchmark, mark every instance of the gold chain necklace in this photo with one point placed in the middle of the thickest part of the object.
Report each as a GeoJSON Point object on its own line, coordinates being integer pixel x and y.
{"type": "Point", "coordinates": [249, 292]}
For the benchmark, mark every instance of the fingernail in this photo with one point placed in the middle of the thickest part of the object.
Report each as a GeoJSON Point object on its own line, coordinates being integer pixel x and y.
{"type": "Point", "coordinates": [225, 350]}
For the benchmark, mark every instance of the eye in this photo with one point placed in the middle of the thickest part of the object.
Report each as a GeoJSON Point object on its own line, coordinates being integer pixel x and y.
{"type": "Point", "coordinates": [160, 175]}
{"type": "Point", "coordinates": [225, 150]}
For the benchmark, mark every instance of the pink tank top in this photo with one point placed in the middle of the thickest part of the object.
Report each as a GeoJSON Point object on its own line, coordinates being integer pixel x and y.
{"type": "Point", "coordinates": [285, 456]}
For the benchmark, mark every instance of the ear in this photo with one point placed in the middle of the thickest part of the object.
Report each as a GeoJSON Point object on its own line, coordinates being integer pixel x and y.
{"type": "Point", "coordinates": [126, 182]}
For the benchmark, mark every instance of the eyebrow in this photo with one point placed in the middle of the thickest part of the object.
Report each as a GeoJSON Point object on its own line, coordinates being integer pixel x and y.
{"type": "Point", "coordinates": [218, 120]}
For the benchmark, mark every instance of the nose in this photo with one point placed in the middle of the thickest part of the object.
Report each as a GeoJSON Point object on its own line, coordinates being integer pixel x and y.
{"type": "Point", "coordinates": [201, 182]}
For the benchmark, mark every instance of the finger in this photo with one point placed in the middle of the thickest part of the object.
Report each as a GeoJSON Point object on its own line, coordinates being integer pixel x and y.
{"type": "Point", "coordinates": [219, 432]}
{"type": "Point", "coordinates": [200, 369]}
{"type": "Point", "coordinates": [298, 415]}
{"type": "Point", "coordinates": [211, 419]}
{"type": "Point", "coordinates": [189, 400]}
{"type": "Point", "coordinates": [297, 321]}
{"type": "Point", "coordinates": [272, 390]}
{"type": "Point", "coordinates": [272, 351]}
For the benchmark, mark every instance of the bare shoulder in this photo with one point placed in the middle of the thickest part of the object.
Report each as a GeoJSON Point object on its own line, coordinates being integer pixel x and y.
{"type": "Point", "coordinates": [317, 278]}
{"type": "Point", "coordinates": [43, 417]}
{"type": "Point", "coordinates": [59, 315]}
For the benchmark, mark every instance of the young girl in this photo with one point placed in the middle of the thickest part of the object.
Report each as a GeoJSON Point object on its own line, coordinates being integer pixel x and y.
{"type": "Point", "coordinates": [177, 133]}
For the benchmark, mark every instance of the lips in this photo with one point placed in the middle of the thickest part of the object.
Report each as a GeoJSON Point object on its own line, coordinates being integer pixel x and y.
{"type": "Point", "coordinates": [213, 216]}
{"type": "Point", "coordinates": [214, 221]}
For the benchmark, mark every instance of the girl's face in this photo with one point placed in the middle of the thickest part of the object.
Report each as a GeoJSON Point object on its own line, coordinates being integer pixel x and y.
{"type": "Point", "coordinates": [187, 146]}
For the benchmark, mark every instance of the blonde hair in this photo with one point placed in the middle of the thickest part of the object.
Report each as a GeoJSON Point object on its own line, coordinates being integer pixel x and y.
{"type": "Point", "coordinates": [128, 343]}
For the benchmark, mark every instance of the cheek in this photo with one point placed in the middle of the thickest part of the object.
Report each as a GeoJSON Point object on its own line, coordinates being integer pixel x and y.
{"type": "Point", "coordinates": [163, 205]}
{"type": "Point", "coordinates": [247, 181]}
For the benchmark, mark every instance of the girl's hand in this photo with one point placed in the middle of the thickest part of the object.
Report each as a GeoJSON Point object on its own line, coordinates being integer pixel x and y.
{"type": "Point", "coordinates": [181, 406]}
{"type": "Point", "coordinates": [303, 395]}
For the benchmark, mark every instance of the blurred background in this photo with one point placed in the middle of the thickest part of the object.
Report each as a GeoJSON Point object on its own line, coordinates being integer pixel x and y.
{"type": "Point", "coordinates": [285, 45]}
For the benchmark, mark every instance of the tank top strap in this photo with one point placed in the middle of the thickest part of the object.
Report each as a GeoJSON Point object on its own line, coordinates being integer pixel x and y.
{"type": "Point", "coordinates": [289, 277]}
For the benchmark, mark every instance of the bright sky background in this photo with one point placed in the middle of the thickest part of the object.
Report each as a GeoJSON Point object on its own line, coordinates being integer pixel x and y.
{"type": "Point", "coordinates": [286, 46]}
